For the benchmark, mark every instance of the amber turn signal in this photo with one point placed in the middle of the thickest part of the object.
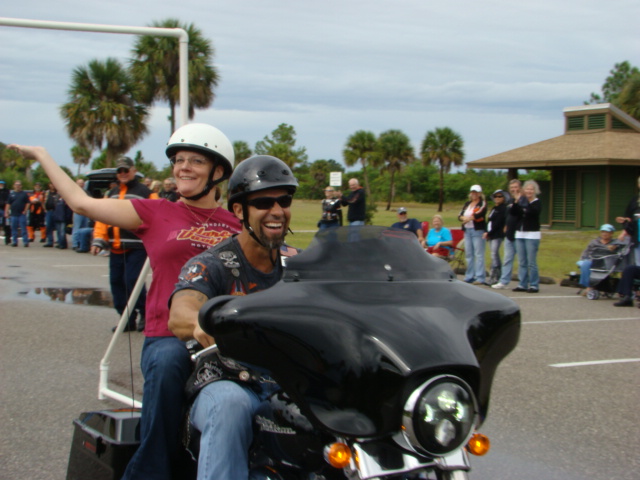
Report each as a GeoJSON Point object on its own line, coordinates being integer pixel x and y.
{"type": "Point", "coordinates": [338, 455]}
{"type": "Point", "coordinates": [479, 444]}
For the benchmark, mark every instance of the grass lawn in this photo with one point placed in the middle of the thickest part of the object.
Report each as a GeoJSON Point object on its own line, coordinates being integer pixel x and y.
{"type": "Point", "coordinates": [559, 250]}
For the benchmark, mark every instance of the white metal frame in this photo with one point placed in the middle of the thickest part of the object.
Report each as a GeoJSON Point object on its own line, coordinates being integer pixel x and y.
{"type": "Point", "coordinates": [183, 38]}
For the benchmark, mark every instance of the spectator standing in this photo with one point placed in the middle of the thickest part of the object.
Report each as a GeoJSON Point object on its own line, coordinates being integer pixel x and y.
{"type": "Point", "coordinates": [331, 211]}
{"type": "Point", "coordinates": [169, 190]}
{"type": "Point", "coordinates": [4, 196]}
{"type": "Point", "coordinates": [62, 216]}
{"type": "Point", "coordinates": [261, 191]}
{"type": "Point", "coordinates": [36, 214]}
{"type": "Point", "coordinates": [439, 239]}
{"type": "Point", "coordinates": [156, 186]}
{"type": "Point", "coordinates": [631, 225]}
{"type": "Point", "coordinates": [127, 253]}
{"type": "Point", "coordinates": [357, 202]}
{"type": "Point", "coordinates": [473, 218]}
{"type": "Point", "coordinates": [80, 222]}
{"type": "Point", "coordinates": [528, 235]}
{"type": "Point", "coordinates": [495, 233]}
{"type": "Point", "coordinates": [16, 210]}
{"type": "Point", "coordinates": [626, 285]}
{"type": "Point", "coordinates": [410, 224]}
{"type": "Point", "coordinates": [50, 200]}
{"type": "Point", "coordinates": [512, 224]}
{"type": "Point", "coordinates": [202, 156]}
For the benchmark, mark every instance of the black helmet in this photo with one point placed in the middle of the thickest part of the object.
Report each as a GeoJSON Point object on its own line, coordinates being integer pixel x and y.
{"type": "Point", "coordinates": [260, 172]}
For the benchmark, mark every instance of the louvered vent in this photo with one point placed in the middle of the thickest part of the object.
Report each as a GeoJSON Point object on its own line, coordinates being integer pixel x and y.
{"type": "Point", "coordinates": [597, 122]}
{"type": "Point", "coordinates": [575, 123]}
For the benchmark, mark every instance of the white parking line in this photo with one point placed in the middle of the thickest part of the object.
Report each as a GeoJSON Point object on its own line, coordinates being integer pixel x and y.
{"type": "Point", "coordinates": [578, 320]}
{"type": "Point", "coordinates": [534, 296]}
{"type": "Point", "coordinates": [594, 362]}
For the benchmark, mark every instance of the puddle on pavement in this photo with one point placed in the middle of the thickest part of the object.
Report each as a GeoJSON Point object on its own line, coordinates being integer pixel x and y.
{"type": "Point", "coordinates": [76, 296]}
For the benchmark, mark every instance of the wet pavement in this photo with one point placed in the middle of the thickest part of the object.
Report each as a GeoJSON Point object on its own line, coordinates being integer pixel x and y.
{"type": "Point", "coordinates": [564, 403]}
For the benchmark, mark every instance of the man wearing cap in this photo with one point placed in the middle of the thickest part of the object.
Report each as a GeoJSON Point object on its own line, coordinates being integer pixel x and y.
{"type": "Point", "coordinates": [4, 196]}
{"type": "Point", "coordinates": [127, 255]}
{"type": "Point", "coordinates": [16, 211]}
{"type": "Point", "coordinates": [603, 241]}
{"type": "Point", "coordinates": [410, 224]}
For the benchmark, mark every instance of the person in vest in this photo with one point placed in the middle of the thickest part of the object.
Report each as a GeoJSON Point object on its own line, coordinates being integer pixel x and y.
{"type": "Point", "coordinates": [127, 253]}
{"type": "Point", "coordinates": [173, 232]}
{"type": "Point", "coordinates": [261, 191]}
{"type": "Point", "coordinates": [36, 214]}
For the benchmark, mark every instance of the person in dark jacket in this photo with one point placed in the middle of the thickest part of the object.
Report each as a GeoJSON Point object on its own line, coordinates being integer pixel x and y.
{"type": "Point", "coordinates": [62, 216]}
{"type": "Point", "coordinates": [495, 232]}
{"type": "Point", "coordinates": [631, 224]}
{"type": "Point", "coordinates": [511, 225]}
{"type": "Point", "coordinates": [357, 203]}
{"type": "Point", "coordinates": [528, 235]}
{"type": "Point", "coordinates": [16, 211]}
{"type": "Point", "coordinates": [473, 218]}
{"type": "Point", "coordinates": [4, 196]}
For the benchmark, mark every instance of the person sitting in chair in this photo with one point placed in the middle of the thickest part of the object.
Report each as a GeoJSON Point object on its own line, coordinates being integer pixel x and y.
{"type": "Point", "coordinates": [439, 238]}
{"type": "Point", "coordinates": [604, 240]}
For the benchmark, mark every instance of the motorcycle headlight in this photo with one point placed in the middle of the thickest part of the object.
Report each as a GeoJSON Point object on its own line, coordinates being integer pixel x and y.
{"type": "Point", "coordinates": [440, 415]}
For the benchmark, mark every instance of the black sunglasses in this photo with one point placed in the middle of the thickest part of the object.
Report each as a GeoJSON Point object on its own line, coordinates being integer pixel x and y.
{"type": "Point", "coordinates": [498, 196]}
{"type": "Point", "coordinates": [267, 203]}
{"type": "Point", "coordinates": [122, 170]}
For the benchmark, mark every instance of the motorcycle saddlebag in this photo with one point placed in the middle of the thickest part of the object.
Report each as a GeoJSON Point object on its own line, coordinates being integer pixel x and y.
{"type": "Point", "coordinates": [103, 443]}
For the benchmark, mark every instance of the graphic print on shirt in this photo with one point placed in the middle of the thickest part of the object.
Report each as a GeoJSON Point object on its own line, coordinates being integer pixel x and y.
{"type": "Point", "coordinates": [203, 236]}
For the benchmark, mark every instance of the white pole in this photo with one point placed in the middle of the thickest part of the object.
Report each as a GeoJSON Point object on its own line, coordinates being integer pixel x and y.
{"type": "Point", "coordinates": [179, 33]}
{"type": "Point", "coordinates": [183, 39]}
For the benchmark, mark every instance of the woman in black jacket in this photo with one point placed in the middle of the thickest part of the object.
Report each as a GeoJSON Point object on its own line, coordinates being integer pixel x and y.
{"type": "Point", "coordinates": [528, 235]}
{"type": "Point", "coordinates": [472, 216]}
{"type": "Point", "coordinates": [495, 232]}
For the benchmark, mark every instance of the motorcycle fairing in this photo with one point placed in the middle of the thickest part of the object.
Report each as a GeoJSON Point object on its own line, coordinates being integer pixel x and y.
{"type": "Point", "coordinates": [359, 320]}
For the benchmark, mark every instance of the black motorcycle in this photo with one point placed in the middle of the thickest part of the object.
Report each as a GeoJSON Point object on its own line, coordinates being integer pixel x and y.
{"type": "Point", "coordinates": [384, 358]}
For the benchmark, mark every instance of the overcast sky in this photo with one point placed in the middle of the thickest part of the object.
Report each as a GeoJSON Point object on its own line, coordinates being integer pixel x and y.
{"type": "Point", "coordinates": [498, 72]}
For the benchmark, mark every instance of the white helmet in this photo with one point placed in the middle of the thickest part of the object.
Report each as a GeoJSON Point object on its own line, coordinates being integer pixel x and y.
{"type": "Point", "coordinates": [205, 139]}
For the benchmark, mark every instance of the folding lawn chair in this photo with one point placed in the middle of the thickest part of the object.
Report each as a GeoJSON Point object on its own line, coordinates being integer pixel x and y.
{"type": "Point", "coordinates": [456, 259]}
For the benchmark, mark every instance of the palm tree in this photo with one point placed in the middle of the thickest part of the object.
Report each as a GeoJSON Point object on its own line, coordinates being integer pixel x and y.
{"type": "Point", "coordinates": [395, 151]}
{"type": "Point", "coordinates": [241, 150]}
{"type": "Point", "coordinates": [81, 155]}
{"type": "Point", "coordinates": [155, 67]}
{"type": "Point", "coordinates": [103, 109]}
{"type": "Point", "coordinates": [362, 147]}
{"type": "Point", "coordinates": [445, 147]}
{"type": "Point", "coordinates": [629, 98]}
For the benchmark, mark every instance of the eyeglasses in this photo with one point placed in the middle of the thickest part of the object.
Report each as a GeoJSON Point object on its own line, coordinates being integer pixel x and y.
{"type": "Point", "coordinates": [194, 162]}
{"type": "Point", "coordinates": [123, 170]}
{"type": "Point", "coordinates": [267, 203]}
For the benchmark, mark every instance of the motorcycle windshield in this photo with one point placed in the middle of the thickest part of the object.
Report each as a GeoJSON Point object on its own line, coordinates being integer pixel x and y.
{"type": "Point", "coordinates": [360, 319]}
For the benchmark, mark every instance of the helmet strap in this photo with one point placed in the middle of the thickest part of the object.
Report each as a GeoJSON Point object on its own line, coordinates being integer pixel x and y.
{"type": "Point", "coordinates": [209, 186]}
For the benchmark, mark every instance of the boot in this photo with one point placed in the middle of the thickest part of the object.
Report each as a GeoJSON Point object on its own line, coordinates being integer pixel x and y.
{"type": "Point", "coordinates": [625, 301]}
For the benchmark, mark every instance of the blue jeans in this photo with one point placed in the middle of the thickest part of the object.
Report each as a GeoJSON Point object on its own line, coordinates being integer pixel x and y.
{"type": "Point", "coordinates": [51, 226]}
{"type": "Point", "coordinates": [166, 366]}
{"type": "Point", "coordinates": [79, 222]}
{"type": "Point", "coordinates": [124, 270]}
{"type": "Point", "coordinates": [61, 232]}
{"type": "Point", "coordinates": [19, 222]}
{"type": "Point", "coordinates": [528, 262]}
{"type": "Point", "coordinates": [507, 261]}
{"type": "Point", "coordinates": [474, 247]}
{"type": "Point", "coordinates": [83, 237]}
{"type": "Point", "coordinates": [223, 413]}
{"type": "Point", "coordinates": [585, 271]}
{"type": "Point", "coordinates": [496, 263]}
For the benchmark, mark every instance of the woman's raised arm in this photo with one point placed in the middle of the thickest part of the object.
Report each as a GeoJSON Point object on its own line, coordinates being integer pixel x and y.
{"type": "Point", "coordinates": [111, 211]}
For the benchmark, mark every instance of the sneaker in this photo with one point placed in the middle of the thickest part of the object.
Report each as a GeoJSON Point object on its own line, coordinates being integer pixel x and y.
{"type": "Point", "coordinates": [519, 289]}
{"type": "Point", "coordinates": [532, 290]}
{"type": "Point", "coordinates": [469, 281]}
{"type": "Point", "coordinates": [499, 286]}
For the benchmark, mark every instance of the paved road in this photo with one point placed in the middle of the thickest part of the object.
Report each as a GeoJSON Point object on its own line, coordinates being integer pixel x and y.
{"type": "Point", "coordinates": [551, 417]}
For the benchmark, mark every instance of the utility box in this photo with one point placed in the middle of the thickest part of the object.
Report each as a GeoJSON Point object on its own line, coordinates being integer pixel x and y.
{"type": "Point", "coordinates": [103, 443]}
